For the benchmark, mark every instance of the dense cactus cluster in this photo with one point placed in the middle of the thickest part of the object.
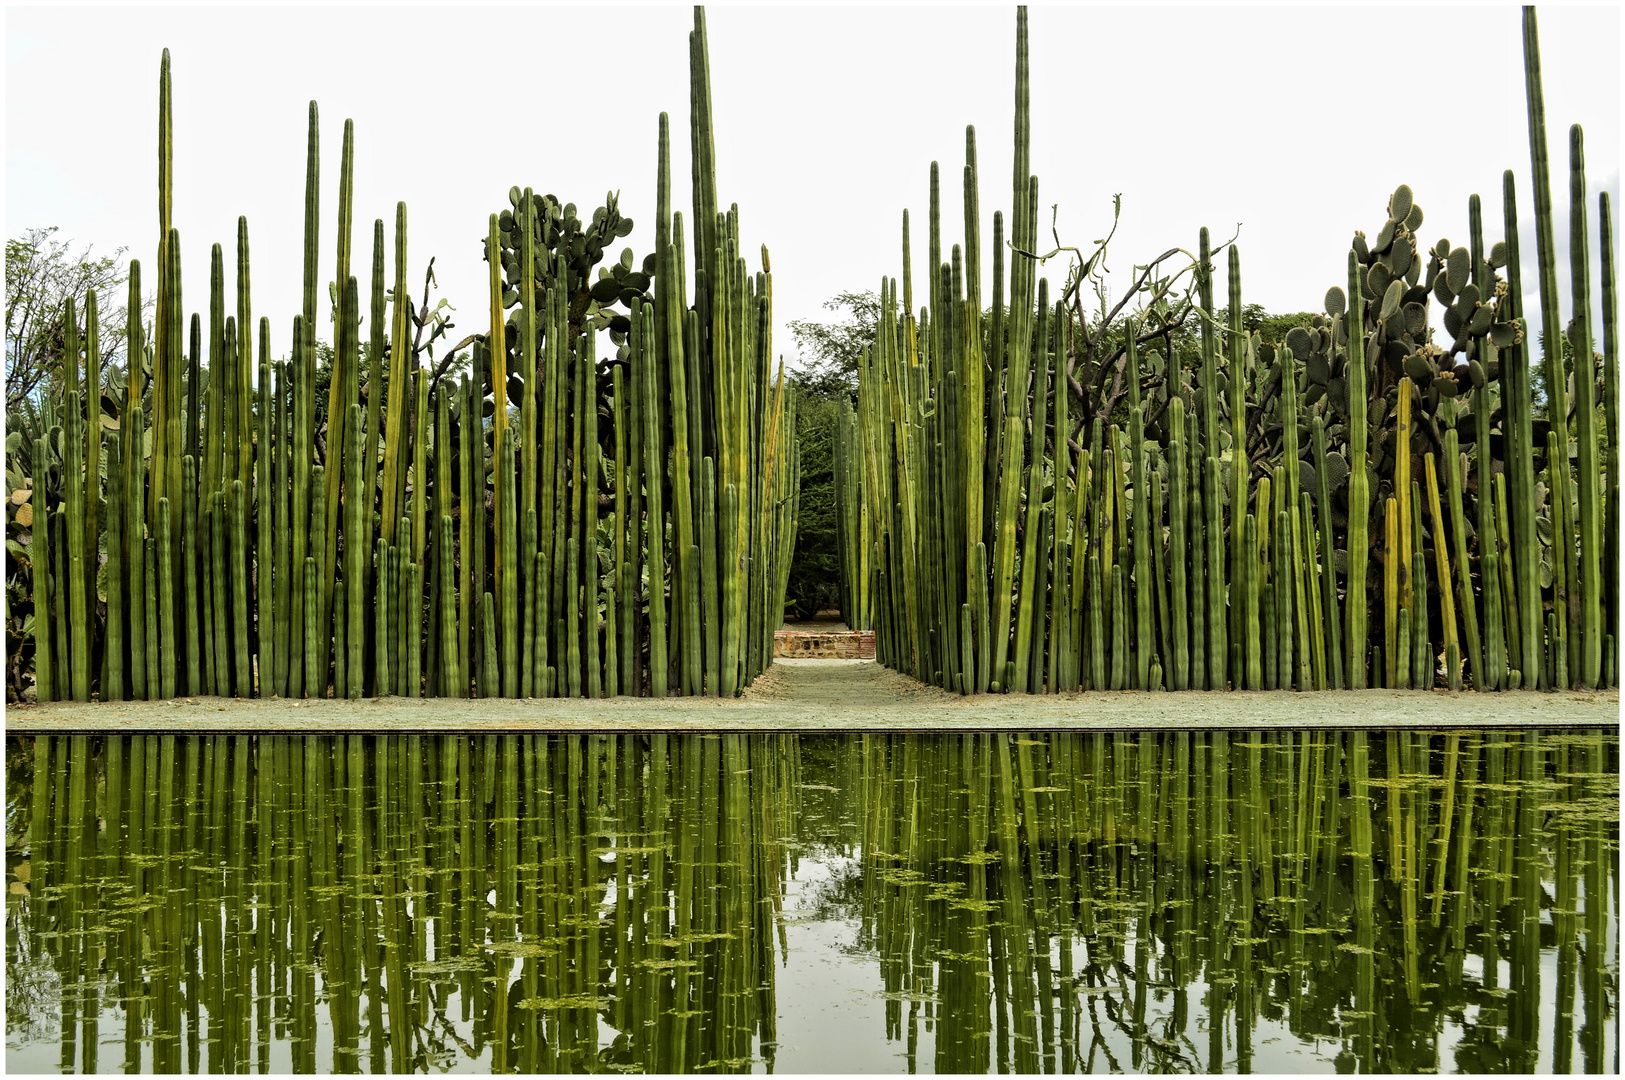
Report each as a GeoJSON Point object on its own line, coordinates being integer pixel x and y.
{"type": "Point", "coordinates": [507, 533]}
{"type": "Point", "coordinates": [1040, 499]}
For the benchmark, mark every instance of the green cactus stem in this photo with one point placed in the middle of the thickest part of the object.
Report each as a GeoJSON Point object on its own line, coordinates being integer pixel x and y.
{"type": "Point", "coordinates": [40, 558]}
{"type": "Point", "coordinates": [166, 607]}
{"type": "Point", "coordinates": [239, 589]}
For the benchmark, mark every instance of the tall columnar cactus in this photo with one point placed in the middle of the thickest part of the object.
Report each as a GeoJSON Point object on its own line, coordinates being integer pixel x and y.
{"type": "Point", "coordinates": [1610, 403]}
{"type": "Point", "coordinates": [1588, 466]}
{"type": "Point", "coordinates": [1568, 599]}
{"type": "Point", "coordinates": [1359, 492]}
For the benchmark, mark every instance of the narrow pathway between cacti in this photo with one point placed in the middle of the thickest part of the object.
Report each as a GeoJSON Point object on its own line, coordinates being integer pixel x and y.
{"type": "Point", "coordinates": [833, 695]}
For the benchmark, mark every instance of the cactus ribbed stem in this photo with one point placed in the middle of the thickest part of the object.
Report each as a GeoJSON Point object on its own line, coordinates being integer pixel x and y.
{"type": "Point", "coordinates": [395, 416]}
{"type": "Point", "coordinates": [710, 599]}
{"type": "Point", "coordinates": [402, 618]}
{"type": "Point", "coordinates": [150, 591]}
{"type": "Point", "coordinates": [205, 621]}
{"type": "Point", "coordinates": [1179, 502]}
{"type": "Point", "coordinates": [1219, 639]}
{"type": "Point", "coordinates": [358, 519]}
{"type": "Point", "coordinates": [1359, 490]}
{"type": "Point", "coordinates": [1420, 658]}
{"type": "Point", "coordinates": [507, 567]}
{"type": "Point", "coordinates": [1310, 598]}
{"type": "Point", "coordinates": [112, 688]}
{"type": "Point", "coordinates": [1447, 602]}
{"type": "Point", "coordinates": [264, 528]}
{"type": "Point", "coordinates": [239, 589]}
{"type": "Point", "coordinates": [612, 674]}
{"type": "Point", "coordinates": [543, 683]}
{"type": "Point", "coordinates": [572, 616]}
{"type": "Point", "coordinates": [92, 458]}
{"type": "Point", "coordinates": [1610, 404]}
{"type": "Point", "coordinates": [166, 607]}
{"type": "Point", "coordinates": [1200, 624]}
{"type": "Point", "coordinates": [72, 576]}
{"type": "Point", "coordinates": [411, 620]}
{"type": "Point", "coordinates": [451, 671]}
{"type": "Point", "coordinates": [341, 643]}
{"type": "Point", "coordinates": [467, 483]}
{"type": "Point", "coordinates": [1591, 540]}
{"type": "Point", "coordinates": [220, 593]}
{"type": "Point", "coordinates": [526, 561]}
{"type": "Point", "coordinates": [382, 630]}
{"type": "Point", "coordinates": [135, 558]}
{"type": "Point", "coordinates": [40, 560]}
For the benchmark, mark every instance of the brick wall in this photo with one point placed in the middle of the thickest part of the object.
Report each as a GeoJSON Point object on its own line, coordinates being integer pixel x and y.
{"type": "Point", "coordinates": [815, 645]}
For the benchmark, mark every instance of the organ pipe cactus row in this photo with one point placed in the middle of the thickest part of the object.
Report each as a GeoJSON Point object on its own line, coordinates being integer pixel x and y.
{"type": "Point", "coordinates": [409, 534]}
{"type": "Point", "coordinates": [1315, 513]}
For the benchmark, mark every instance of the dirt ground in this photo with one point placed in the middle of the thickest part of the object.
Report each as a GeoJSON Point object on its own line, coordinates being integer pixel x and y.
{"type": "Point", "coordinates": [833, 695]}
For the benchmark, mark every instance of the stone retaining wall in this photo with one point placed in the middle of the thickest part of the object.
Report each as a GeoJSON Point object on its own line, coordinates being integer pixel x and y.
{"type": "Point", "coordinates": [823, 645]}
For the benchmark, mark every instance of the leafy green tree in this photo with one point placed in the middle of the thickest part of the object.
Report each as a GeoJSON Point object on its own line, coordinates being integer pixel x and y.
{"type": "Point", "coordinates": [1272, 329]}
{"type": "Point", "coordinates": [815, 572]}
{"type": "Point", "coordinates": [829, 352]}
{"type": "Point", "coordinates": [42, 273]}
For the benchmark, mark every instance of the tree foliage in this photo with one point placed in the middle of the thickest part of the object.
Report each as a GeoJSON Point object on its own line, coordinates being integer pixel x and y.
{"type": "Point", "coordinates": [42, 273]}
{"type": "Point", "coordinates": [815, 571]}
{"type": "Point", "coordinates": [829, 352]}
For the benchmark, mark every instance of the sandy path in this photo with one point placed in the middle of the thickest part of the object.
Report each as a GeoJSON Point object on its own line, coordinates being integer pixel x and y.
{"type": "Point", "coordinates": [828, 695]}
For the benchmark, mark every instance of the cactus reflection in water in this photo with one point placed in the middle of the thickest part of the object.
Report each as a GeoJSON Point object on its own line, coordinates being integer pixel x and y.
{"type": "Point", "coordinates": [975, 902]}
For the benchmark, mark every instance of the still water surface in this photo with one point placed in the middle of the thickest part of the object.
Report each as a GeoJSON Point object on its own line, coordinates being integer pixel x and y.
{"type": "Point", "coordinates": [877, 903]}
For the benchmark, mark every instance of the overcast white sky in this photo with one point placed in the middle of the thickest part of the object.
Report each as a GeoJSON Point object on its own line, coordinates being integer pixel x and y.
{"type": "Point", "coordinates": [1296, 122]}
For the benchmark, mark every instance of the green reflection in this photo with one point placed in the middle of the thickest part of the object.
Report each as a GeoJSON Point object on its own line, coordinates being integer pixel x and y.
{"type": "Point", "coordinates": [1052, 902]}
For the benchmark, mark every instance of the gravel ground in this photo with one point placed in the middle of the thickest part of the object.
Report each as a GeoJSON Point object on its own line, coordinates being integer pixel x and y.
{"type": "Point", "coordinates": [833, 695]}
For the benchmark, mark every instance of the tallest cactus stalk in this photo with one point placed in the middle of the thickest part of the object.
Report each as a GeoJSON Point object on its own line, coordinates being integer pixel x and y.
{"type": "Point", "coordinates": [304, 423]}
{"type": "Point", "coordinates": [1017, 358]}
{"type": "Point", "coordinates": [341, 389]}
{"type": "Point", "coordinates": [161, 405]}
{"type": "Point", "coordinates": [704, 160]}
{"type": "Point", "coordinates": [1557, 409]}
{"type": "Point", "coordinates": [1585, 418]}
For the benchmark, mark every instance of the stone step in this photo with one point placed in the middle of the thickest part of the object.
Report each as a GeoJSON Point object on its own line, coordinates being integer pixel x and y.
{"type": "Point", "coordinates": [824, 645]}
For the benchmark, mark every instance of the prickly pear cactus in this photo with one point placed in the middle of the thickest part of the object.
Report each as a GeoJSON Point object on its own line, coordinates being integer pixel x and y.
{"type": "Point", "coordinates": [568, 252]}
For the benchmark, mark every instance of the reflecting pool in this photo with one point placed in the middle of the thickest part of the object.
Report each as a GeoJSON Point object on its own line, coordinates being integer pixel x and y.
{"type": "Point", "coordinates": [1074, 902]}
